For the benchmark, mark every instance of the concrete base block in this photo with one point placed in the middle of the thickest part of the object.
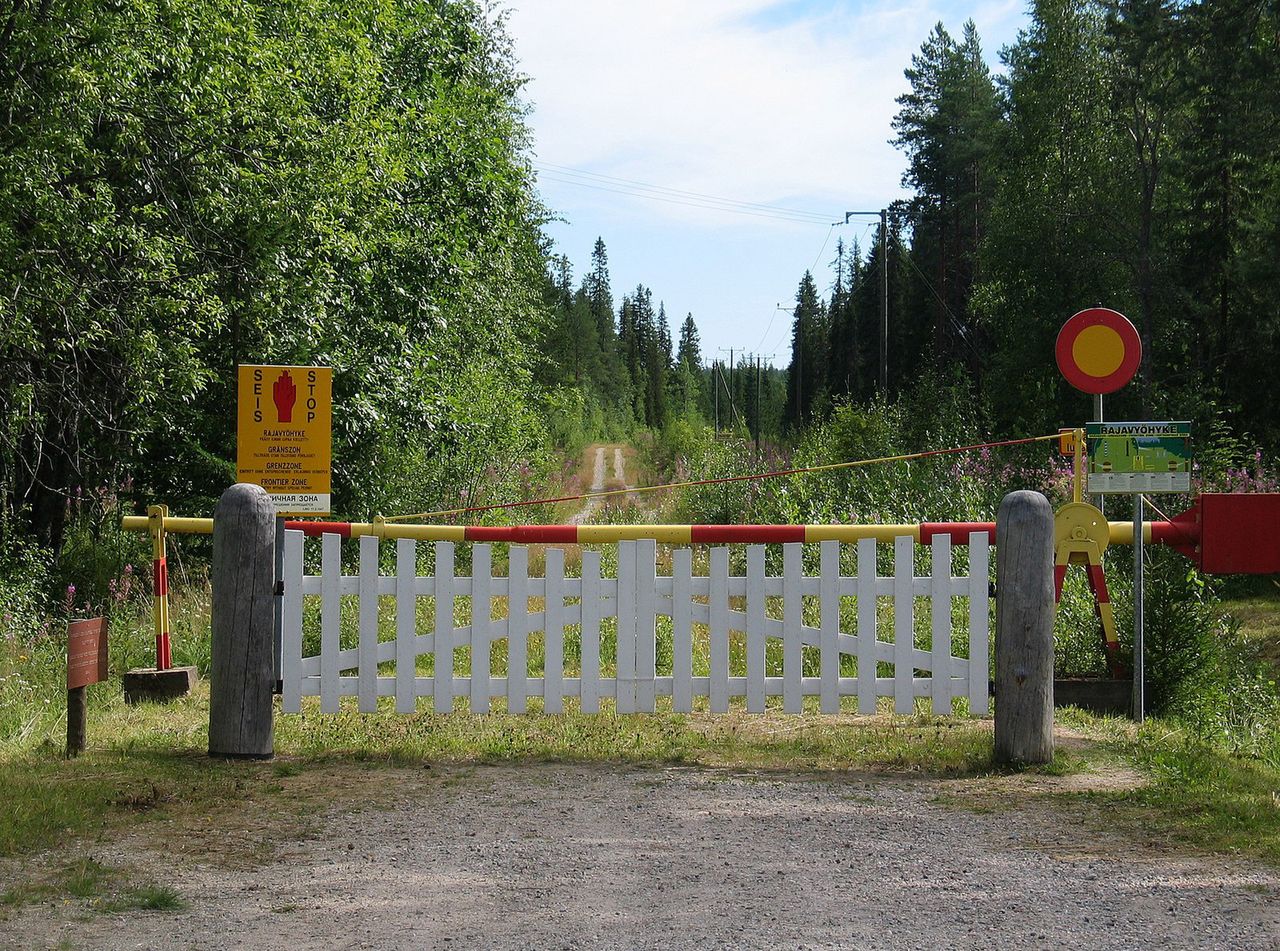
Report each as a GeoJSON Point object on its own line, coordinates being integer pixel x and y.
{"type": "Point", "coordinates": [146, 684]}
{"type": "Point", "coordinates": [1097, 695]}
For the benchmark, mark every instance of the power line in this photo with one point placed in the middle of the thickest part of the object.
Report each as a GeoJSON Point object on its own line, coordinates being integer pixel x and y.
{"type": "Point", "coordinates": [961, 332]}
{"type": "Point", "coordinates": [551, 167]}
{"type": "Point", "coordinates": [678, 201]}
{"type": "Point", "coordinates": [776, 307]}
{"type": "Point", "coordinates": [691, 203]}
{"type": "Point", "coordinates": [825, 242]}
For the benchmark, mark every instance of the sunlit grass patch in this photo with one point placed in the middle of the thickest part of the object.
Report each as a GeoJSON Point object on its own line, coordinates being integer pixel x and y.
{"type": "Point", "coordinates": [145, 898]}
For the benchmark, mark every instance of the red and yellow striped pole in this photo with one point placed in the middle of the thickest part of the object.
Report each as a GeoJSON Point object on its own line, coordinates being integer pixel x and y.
{"type": "Point", "coordinates": [156, 517]}
{"type": "Point", "coordinates": [1175, 534]}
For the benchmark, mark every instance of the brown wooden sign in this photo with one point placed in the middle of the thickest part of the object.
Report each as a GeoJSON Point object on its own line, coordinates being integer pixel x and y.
{"type": "Point", "coordinates": [86, 652]}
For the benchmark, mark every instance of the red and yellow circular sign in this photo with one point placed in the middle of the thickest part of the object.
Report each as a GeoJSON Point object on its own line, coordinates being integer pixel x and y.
{"type": "Point", "coordinates": [1098, 350]}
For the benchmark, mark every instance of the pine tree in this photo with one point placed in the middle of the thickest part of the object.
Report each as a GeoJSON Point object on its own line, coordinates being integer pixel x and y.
{"type": "Point", "coordinates": [1052, 244]}
{"type": "Point", "coordinates": [612, 380]}
{"type": "Point", "coordinates": [807, 372]}
{"type": "Point", "coordinates": [1228, 229]}
{"type": "Point", "coordinates": [948, 125]}
{"type": "Point", "coordinates": [693, 398]}
{"type": "Point", "coordinates": [689, 353]}
{"type": "Point", "coordinates": [599, 293]}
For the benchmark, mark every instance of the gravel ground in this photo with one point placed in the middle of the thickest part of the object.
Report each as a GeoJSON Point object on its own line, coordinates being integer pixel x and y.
{"type": "Point", "coordinates": [558, 856]}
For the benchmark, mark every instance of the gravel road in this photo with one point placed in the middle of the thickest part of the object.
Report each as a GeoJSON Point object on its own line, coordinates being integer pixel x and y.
{"type": "Point", "coordinates": [567, 856]}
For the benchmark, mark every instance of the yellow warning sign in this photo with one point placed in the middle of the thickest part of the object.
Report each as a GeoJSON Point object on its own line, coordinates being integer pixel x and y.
{"type": "Point", "coordinates": [284, 435]}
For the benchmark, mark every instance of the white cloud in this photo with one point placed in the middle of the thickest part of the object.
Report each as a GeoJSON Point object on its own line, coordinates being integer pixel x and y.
{"type": "Point", "coordinates": [727, 97]}
{"type": "Point", "coordinates": [785, 102]}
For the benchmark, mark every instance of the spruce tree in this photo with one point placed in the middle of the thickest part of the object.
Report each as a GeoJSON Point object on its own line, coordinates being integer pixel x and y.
{"type": "Point", "coordinates": [948, 125]}
{"type": "Point", "coordinates": [807, 371]}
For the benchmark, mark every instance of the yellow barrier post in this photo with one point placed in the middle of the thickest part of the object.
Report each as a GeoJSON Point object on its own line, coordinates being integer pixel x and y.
{"type": "Point", "coordinates": [156, 515]}
{"type": "Point", "coordinates": [163, 682]}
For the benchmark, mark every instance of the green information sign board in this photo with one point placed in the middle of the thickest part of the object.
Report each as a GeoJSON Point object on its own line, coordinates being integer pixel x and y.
{"type": "Point", "coordinates": [1127, 458]}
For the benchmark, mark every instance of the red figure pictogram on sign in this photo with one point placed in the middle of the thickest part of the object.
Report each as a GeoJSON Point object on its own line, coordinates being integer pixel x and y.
{"type": "Point", "coordinates": [284, 394]}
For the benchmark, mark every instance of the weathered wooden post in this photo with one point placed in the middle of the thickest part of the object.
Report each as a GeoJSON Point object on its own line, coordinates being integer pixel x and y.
{"type": "Point", "coordinates": [1024, 629]}
{"type": "Point", "coordinates": [242, 675]}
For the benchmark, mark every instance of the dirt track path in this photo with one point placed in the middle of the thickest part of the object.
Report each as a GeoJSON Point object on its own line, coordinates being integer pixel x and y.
{"type": "Point", "coordinates": [567, 856]}
{"type": "Point", "coordinates": [598, 478]}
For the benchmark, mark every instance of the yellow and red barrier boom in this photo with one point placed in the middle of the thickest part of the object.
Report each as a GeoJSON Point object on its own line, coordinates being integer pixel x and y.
{"type": "Point", "coordinates": [1223, 533]}
{"type": "Point", "coordinates": [601, 534]}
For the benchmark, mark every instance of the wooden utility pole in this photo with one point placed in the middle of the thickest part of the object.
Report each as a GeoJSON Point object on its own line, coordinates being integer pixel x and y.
{"type": "Point", "coordinates": [884, 302]}
{"type": "Point", "coordinates": [758, 361]}
{"type": "Point", "coordinates": [883, 215]}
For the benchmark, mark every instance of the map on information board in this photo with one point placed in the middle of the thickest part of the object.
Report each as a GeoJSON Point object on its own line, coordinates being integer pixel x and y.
{"type": "Point", "coordinates": [1128, 458]}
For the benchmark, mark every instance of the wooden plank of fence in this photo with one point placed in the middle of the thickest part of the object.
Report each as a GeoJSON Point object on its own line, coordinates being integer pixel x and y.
{"type": "Point", "coordinates": [442, 686]}
{"type": "Point", "coordinates": [626, 664]}
{"type": "Point", "coordinates": [646, 623]}
{"type": "Point", "coordinates": [481, 625]}
{"type": "Point", "coordinates": [757, 639]}
{"type": "Point", "coordinates": [829, 598]}
{"type": "Point", "coordinates": [291, 621]}
{"type": "Point", "coordinates": [406, 625]}
{"type": "Point", "coordinates": [330, 620]}
{"type": "Point", "coordinates": [367, 646]}
{"type": "Point", "coordinates": [591, 611]}
{"type": "Point", "coordinates": [867, 625]}
{"type": "Point", "coordinates": [682, 630]}
{"type": "Point", "coordinates": [553, 638]}
{"type": "Point", "coordinates": [940, 611]}
{"type": "Point", "coordinates": [792, 620]}
{"type": "Point", "coordinates": [903, 626]}
{"type": "Point", "coordinates": [979, 622]}
{"type": "Point", "coordinates": [719, 630]}
{"type": "Point", "coordinates": [517, 628]}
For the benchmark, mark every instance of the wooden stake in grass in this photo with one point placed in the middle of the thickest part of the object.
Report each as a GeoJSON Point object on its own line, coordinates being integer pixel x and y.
{"type": "Point", "coordinates": [1024, 629]}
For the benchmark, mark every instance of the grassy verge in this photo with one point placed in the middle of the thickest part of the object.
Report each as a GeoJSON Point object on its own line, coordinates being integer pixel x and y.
{"type": "Point", "coordinates": [1195, 795]}
{"type": "Point", "coordinates": [1255, 605]}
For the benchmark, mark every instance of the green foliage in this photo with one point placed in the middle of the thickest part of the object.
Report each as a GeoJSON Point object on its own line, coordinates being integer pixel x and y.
{"type": "Point", "coordinates": [191, 185]}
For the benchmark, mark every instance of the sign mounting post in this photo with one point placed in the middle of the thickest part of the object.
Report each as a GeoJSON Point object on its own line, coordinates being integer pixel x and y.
{"type": "Point", "coordinates": [1098, 351]}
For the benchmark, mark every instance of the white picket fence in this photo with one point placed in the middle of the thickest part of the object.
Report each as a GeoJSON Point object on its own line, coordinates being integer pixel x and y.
{"type": "Point", "coordinates": [637, 597]}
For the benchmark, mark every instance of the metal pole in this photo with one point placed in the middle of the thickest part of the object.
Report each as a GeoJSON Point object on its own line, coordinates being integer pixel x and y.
{"type": "Point", "coordinates": [716, 391]}
{"type": "Point", "coordinates": [884, 302]}
{"type": "Point", "coordinates": [1139, 659]}
{"type": "Point", "coordinates": [758, 405]}
{"type": "Point", "coordinates": [277, 610]}
{"type": "Point", "coordinates": [1099, 500]}
{"type": "Point", "coordinates": [800, 370]}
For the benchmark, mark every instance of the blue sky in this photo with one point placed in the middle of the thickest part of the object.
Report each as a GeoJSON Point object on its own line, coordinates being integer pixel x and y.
{"type": "Point", "coordinates": [644, 114]}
